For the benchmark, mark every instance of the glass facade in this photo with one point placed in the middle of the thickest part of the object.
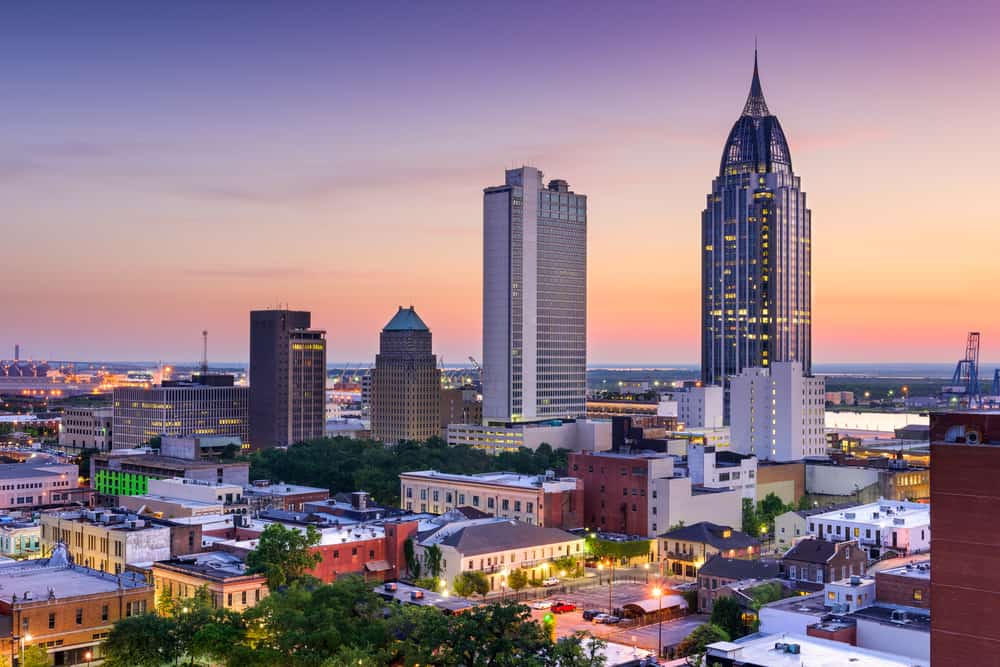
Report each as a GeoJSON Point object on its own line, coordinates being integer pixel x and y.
{"type": "Point", "coordinates": [756, 252]}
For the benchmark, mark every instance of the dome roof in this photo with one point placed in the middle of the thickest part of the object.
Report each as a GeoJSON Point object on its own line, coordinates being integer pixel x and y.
{"type": "Point", "coordinates": [756, 141]}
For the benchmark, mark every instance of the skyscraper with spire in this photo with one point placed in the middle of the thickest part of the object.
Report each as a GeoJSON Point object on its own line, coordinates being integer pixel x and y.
{"type": "Point", "coordinates": [756, 252]}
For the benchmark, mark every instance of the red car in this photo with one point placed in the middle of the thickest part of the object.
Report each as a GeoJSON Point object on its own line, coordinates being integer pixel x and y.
{"type": "Point", "coordinates": [562, 607]}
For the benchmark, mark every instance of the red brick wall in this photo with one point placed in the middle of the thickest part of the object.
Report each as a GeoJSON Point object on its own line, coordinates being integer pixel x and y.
{"type": "Point", "coordinates": [396, 535]}
{"type": "Point", "coordinates": [294, 502]}
{"type": "Point", "coordinates": [349, 558]}
{"type": "Point", "coordinates": [565, 509]}
{"type": "Point", "coordinates": [965, 588]}
{"type": "Point", "coordinates": [899, 589]}
{"type": "Point", "coordinates": [848, 635]}
{"type": "Point", "coordinates": [597, 471]}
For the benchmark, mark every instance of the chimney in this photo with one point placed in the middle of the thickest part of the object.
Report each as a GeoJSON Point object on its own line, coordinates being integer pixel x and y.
{"type": "Point", "coordinates": [359, 500]}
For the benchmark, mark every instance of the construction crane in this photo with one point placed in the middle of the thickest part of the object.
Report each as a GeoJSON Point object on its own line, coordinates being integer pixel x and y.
{"type": "Point", "coordinates": [965, 380]}
{"type": "Point", "coordinates": [475, 364]}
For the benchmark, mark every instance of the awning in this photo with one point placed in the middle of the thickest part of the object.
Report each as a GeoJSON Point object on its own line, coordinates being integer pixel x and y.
{"type": "Point", "coordinates": [652, 605]}
{"type": "Point", "coordinates": [378, 566]}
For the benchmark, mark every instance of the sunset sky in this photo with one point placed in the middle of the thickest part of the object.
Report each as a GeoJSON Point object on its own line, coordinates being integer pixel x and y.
{"type": "Point", "coordinates": [166, 167]}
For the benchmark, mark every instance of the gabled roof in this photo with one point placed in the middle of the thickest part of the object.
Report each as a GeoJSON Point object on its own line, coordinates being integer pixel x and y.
{"type": "Point", "coordinates": [406, 319]}
{"type": "Point", "coordinates": [812, 551]}
{"type": "Point", "coordinates": [706, 532]}
{"type": "Point", "coordinates": [481, 538]}
{"type": "Point", "coordinates": [739, 568]}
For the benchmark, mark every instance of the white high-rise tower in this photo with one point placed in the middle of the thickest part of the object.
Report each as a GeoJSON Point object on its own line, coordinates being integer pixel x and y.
{"type": "Point", "coordinates": [534, 299]}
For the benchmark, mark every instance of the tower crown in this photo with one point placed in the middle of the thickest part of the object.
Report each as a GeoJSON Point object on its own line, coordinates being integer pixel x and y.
{"type": "Point", "coordinates": [756, 143]}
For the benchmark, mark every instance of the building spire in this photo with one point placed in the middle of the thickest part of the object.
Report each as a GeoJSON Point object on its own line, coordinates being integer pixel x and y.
{"type": "Point", "coordinates": [755, 106]}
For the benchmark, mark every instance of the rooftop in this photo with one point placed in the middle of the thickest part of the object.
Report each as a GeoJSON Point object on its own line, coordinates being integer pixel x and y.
{"type": "Point", "coordinates": [407, 594]}
{"type": "Point", "coordinates": [812, 550]}
{"type": "Point", "coordinates": [406, 319]}
{"type": "Point", "coordinates": [884, 513]}
{"type": "Point", "coordinates": [508, 479]}
{"type": "Point", "coordinates": [27, 469]}
{"type": "Point", "coordinates": [739, 568]}
{"type": "Point", "coordinates": [916, 569]}
{"type": "Point", "coordinates": [705, 532]}
{"type": "Point", "coordinates": [58, 577]}
{"type": "Point", "coordinates": [481, 536]}
{"type": "Point", "coordinates": [110, 519]}
{"type": "Point", "coordinates": [210, 564]}
{"type": "Point", "coordinates": [763, 650]}
{"type": "Point", "coordinates": [895, 616]}
{"type": "Point", "coordinates": [812, 605]}
{"type": "Point", "coordinates": [281, 489]}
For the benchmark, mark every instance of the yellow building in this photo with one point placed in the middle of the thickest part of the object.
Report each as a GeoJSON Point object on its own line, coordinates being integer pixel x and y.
{"type": "Point", "coordinates": [105, 540]}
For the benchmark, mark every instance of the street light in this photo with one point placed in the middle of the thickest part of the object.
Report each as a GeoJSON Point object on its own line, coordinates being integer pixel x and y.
{"type": "Point", "coordinates": [87, 656]}
{"type": "Point", "coordinates": [25, 638]}
{"type": "Point", "coordinates": [658, 594]}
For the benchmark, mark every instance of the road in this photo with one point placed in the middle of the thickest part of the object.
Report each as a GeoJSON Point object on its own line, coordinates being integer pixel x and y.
{"type": "Point", "coordinates": [596, 597]}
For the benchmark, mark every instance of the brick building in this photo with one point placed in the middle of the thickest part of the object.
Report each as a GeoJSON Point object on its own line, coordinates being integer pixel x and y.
{"type": "Point", "coordinates": [263, 494]}
{"type": "Point", "coordinates": [687, 548]}
{"type": "Point", "coordinates": [65, 608]}
{"type": "Point", "coordinates": [720, 571]}
{"type": "Point", "coordinates": [222, 574]}
{"type": "Point", "coordinates": [907, 585]}
{"type": "Point", "coordinates": [965, 588]}
{"type": "Point", "coordinates": [814, 562]}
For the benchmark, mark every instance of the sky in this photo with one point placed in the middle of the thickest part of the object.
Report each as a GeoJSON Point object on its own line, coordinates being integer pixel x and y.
{"type": "Point", "coordinates": [167, 167]}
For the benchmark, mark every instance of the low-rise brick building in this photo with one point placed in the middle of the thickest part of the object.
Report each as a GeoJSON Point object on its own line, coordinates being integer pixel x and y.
{"type": "Point", "coordinates": [813, 562]}
{"type": "Point", "coordinates": [687, 548]}
{"type": "Point", "coordinates": [907, 585]}
{"type": "Point", "coordinates": [223, 574]}
{"type": "Point", "coordinates": [65, 608]}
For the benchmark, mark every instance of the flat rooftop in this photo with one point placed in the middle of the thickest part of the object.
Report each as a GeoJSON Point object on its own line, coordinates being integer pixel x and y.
{"type": "Point", "coordinates": [760, 650]}
{"type": "Point", "coordinates": [812, 605]}
{"type": "Point", "coordinates": [884, 513]}
{"type": "Point", "coordinates": [896, 616]}
{"type": "Point", "coordinates": [916, 569]}
{"type": "Point", "coordinates": [282, 489]}
{"type": "Point", "coordinates": [27, 469]}
{"type": "Point", "coordinates": [509, 479]}
{"type": "Point", "coordinates": [60, 576]}
{"type": "Point", "coordinates": [212, 564]}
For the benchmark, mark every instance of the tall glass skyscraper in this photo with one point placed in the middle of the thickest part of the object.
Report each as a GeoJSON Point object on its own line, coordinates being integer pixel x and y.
{"type": "Point", "coordinates": [756, 252]}
{"type": "Point", "coordinates": [534, 299]}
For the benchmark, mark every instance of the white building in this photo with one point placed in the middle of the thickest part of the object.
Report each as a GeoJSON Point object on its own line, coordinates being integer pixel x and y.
{"type": "Point", "coordinates": [785, 650]}
{"type": "Point", "coordinates": [534, 299]}
{"type": "Point", "coordinates": [851, 594]}
{"type": "Point", "coordinates": [579, 435]}
{"type": "Point", "coordinates": [86, 428]}
{"type": "Point", "coordinates": [496, 547]}
{"type": "Point", "coordinates": [777, 414]}
{"type": "Point", "coordinates": [534, 499]}
{"type": "Point", "coordinates": [718, 470]}
{"type": "Point", "coordinates": [887, 526]}
{"type": "Point", "coordinates": [700, 407]}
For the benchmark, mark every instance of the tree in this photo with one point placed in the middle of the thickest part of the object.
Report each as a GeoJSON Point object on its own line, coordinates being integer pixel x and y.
{"type": "Point", "coordinates": [494, 634]}
{"type": "Point", "coordinates": [36, 656]}
{"type": "Point", "coordinates": [694, 644]}
{"type": "Point", "coordinates": [750, 524]}
{"type": "Point", "coordinates": [728, 615]}
{"type": "Point", "coordinates": [432, 559]}
{"type": "Point", "coordinates": [283, 554]}
{"type": "Point", "coordinates": [412, 562]}
{"type": "Point", "coordinates": [470, 583]}
{"type": "Point", "coordinates": [141, 641]}
{"type": "Point", "coordinates": [517, 579]}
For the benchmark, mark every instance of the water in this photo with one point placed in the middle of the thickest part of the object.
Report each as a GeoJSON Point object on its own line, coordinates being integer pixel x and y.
{"type": "Point", "coordinates": [873, 421]}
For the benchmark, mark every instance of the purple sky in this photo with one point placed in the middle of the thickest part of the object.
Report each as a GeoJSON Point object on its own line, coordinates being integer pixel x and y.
{"type": "Point", "coordinates": [166, 168]}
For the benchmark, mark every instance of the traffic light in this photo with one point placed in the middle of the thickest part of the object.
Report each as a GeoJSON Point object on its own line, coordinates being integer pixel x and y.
{"type": "Point", "coordinates": [549, 624]}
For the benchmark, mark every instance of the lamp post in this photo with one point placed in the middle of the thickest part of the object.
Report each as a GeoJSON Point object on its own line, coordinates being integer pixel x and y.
{"type": "Point", "coordinates": [611, 587]}
{"type": "Point", "coordinates": [645, 566]}
{"type": "Point", "coordinates": [658, 594]}
{"type": "Point", "coordinates": [24, 638]}
{"type": "Point", "coordinates": [87, 656]}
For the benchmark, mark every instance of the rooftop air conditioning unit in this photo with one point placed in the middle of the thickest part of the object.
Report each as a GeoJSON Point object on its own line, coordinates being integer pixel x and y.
{"type": "Point", "coordinates": [898, 522]}
{"type": "Point", "coordinates": [849, 515]}
{"type": "Point", "coordinates": [855, 580]}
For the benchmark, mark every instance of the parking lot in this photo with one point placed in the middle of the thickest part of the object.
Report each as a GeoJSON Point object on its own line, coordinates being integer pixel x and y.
{"type": "Point", "coordinates": [596, 597]}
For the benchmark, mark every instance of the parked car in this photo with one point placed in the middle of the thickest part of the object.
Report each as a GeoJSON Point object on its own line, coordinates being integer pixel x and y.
{"type": "Point", "coordinates": [589, 614]}
{"type": "Point", "coordinates": [541, 604]}
{"type": "Point", "coordinates": [563, 607]}
{"type": "Point", "coordinates": [606, 619]}
{"type": "Point", "coordinates": [551, 581]}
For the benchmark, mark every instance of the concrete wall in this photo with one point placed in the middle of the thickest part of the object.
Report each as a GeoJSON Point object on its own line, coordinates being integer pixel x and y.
{"type": "Point", "coordinates": [900, 640]}
{"type": "Point", "coordinates": [786, 480]}
{"type": "Point", "coordinates": [838, 480]}
{"type": "Point", "coordinates": [725, 507]}
{"type": "Point", "coordinates": [788, 528]}
{"type": "Point", "coordinates": [778, 621]}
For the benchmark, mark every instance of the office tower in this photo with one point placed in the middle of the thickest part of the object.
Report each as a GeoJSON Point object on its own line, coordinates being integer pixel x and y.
{"type": "Point", "coordinates": [699, 407]}
{"type": "Point", "coordinates": [406, 383]}
{"type": "Point", "coordinates": [534, 299]}
{"type": "Point", "coordinates": [179, 408]}
{"type": "Point", "coordinates": [965, 586]}
{"type": "Point", "coordinates": [756, 253]}
{"type": "Point", "coordinates": [287, 378]}
{"type": "Point", "coordinates": [778, 413]}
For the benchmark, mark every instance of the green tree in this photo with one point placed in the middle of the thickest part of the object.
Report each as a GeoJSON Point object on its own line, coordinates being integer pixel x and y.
{"type": "Point", "coordinates": [693, 646]}
{"type": "Point", "coordinates": [283, 555]}
{"type": "Point", "coordinates": [412, 562]}
{"type": "Point", "coordinates": [517, 580]}
{"type": "Point", "coordinates": [141, 641]}
{"type": "Point", "coordinates": [432, 560]}
{"type": "Point", "coordinates": [467, 584]}
{"type": "Point", "coordinates": [728, 615]}
{"type": "Point", "coordinates": [36, 656]}
{"type": "Point", "coordinates": [751, 525]}
{"type": "Point", "coordinates": [495, 634]}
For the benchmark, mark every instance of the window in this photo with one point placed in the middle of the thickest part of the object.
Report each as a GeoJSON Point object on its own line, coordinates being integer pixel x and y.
{"type": "Point", "coordinates": [791, 571]}
{"type": "Point", "coordinates": [819, 575]}
{"type": "Point", "coordinates": [918, 594]}
{"type": "Point", "coordinates": [52, 621]}
{"type": "Point", "coordinates": [243, 597]}
{"type": "Point", "coordinates": [505, 504]}
{"type": "Point", "coordinates": [489, 503]}
{"type": "Point", "coordinates": [104, 612]}
{"type": "Point", "coordinates": [79, 616]}
{"type": "Point", "coordinates": [475, 501]}
{"type": "Point", "coordinates": [517, 505]}
{"type": "Point", "coordinates": [229, 600]}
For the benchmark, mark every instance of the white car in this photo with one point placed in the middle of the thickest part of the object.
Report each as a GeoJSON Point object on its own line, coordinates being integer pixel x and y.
{"type": "Point", "coordinates": [551, 581]}
{"type": "Point", "coordinates": [542, 604]}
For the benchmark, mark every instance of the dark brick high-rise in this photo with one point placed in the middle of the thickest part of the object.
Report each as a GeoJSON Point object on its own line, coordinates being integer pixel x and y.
{"type": "Point", "coordinates": [965, 543]}
{"type": "Point", "coordinates": [287, 378]}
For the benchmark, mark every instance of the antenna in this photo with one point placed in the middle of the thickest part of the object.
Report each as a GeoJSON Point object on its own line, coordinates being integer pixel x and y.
{"type": "Point", "coordinates": [204, 352]}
